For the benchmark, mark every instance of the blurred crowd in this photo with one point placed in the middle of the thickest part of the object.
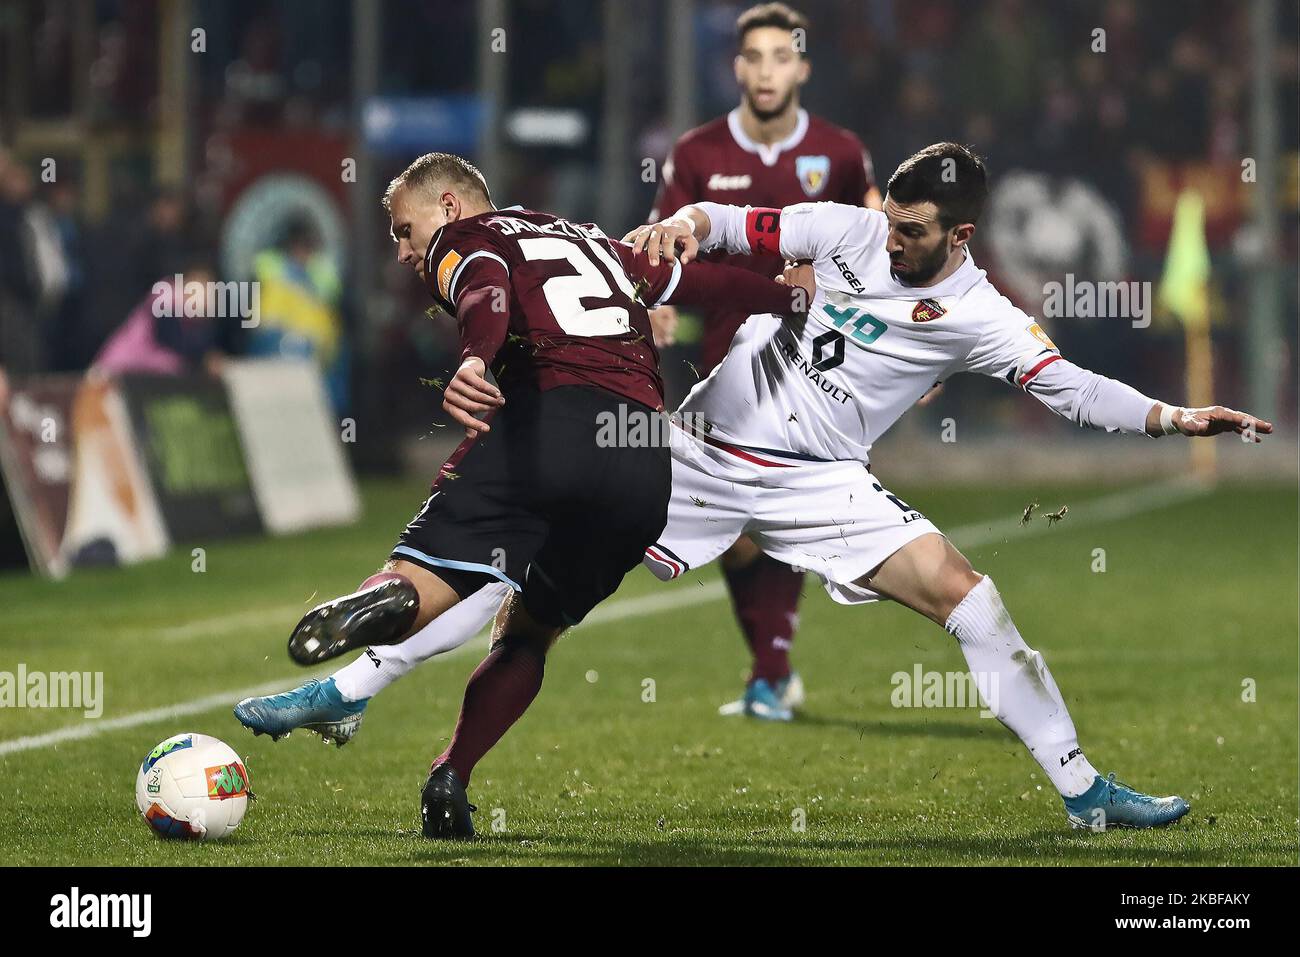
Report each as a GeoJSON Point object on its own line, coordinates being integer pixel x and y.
{"type": "Point", "coordinates": [1081, 88]}
{"type": "Point", "coordinates": [1091, 90]}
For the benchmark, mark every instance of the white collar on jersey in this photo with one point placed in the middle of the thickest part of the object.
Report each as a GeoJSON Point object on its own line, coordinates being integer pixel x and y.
{"type": "Point", "coordinates": [963, 279]}
{"type": "Point", "coordinates": [769, 153]}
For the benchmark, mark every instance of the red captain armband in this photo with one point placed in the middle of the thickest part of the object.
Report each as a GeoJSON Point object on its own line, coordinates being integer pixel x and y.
{"type": "Point", "coordinates": [763, 230]}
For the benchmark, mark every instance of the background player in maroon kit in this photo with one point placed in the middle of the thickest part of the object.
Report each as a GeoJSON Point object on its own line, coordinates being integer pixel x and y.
{"type": "Point", "coordinates": [768, 151]}
{"type": "Point", "coordinates": [531, 498]}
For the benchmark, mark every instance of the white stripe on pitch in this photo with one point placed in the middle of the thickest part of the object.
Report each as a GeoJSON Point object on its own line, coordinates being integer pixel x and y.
{"type": "Point", "coordinates": [1107, 508]}
{"type": "Point", "coordinates": [92, 729]}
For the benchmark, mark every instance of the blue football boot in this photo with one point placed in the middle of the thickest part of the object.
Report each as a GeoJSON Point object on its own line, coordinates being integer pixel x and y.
{"type": "Point", "coordinates": [760, 701]}
{"type": "Point", "coordinates": [1108, 803]}
{"type": "Point", "coordinates": [316, 706]}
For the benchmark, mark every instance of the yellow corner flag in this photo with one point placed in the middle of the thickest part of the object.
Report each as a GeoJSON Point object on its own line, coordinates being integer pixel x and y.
{"type": "Point", "coordinates": [1185, 292]}
{"type": "Point", "coordinates": [1184, 287]}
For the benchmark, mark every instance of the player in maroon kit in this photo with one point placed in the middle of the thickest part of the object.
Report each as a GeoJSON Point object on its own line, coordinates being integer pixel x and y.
{"type": "Point", "coordinates": [768, 151]}
{"type": "Point", "coordinates": [532, 497]}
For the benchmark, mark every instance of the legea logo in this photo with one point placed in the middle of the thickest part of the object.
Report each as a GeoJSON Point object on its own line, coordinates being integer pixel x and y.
{"type": "Point", "coordinates": [721, 181]}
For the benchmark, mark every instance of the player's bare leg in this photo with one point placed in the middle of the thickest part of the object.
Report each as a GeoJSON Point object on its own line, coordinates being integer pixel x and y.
{"type": "Point", "coordinates": [389, 606]}
{"type": "Point", "coordinates": [765, 598]}
{"type": "Point", "coordinates": [927, 575]}
{"type": "Point", "coordinates": [497, 695]}
{"type": "Point", "coordinates": [930, 576]}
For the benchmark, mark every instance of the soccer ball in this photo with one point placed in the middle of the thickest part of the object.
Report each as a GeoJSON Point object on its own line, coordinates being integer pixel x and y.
{"type": "Point", "coordinates": [192, 787]}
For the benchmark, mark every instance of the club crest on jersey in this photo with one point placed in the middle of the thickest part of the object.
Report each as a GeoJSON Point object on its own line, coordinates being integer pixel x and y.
{"type": "Point", "coordinates": [926, 310]}
{"type": "Point", "coordinates": [813, 171]}
{"type": "Point", "coordinates": [1037, 332]}
{"type": "Point", "coordinates": [445, 270]}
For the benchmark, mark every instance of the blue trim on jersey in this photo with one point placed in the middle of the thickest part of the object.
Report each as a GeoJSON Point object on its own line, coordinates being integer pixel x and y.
{"type": "Point", "coordinates": [459, 566]}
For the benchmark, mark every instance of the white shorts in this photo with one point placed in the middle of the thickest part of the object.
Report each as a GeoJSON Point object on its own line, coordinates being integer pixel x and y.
{"type": "Point", "coordinates": [832, 518]}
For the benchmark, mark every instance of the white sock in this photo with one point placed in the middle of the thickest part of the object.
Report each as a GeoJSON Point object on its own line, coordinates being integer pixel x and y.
{"type": "Point", "coordinates": [381, 665]}
{"type": "Point", "coordinates": [1018, 688]}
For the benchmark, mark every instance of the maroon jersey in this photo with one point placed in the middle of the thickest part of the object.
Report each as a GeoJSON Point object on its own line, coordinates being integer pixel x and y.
{"type": "Point", "coordinates": [718, 163]}
{"type": "Point", "coordinates": [549, 303]}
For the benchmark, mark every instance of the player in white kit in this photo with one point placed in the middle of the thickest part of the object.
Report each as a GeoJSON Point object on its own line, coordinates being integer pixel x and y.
{"type": "Point", "coordinates": [775, 443]}
{"type": "Point", "coordinates": [781, 433]}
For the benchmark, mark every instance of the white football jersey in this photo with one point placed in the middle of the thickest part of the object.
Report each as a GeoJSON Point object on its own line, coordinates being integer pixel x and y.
{"type": "Point", "coordinates": [829, 384]}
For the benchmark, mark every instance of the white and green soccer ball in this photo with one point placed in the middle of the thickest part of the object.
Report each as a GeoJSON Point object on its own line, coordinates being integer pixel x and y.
{"type": "Point", "coordinates": [192, 787]}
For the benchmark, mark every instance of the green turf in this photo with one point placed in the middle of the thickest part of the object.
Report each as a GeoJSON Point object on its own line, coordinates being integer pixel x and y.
{"type": "Point", "coordinates": [1151, 655]}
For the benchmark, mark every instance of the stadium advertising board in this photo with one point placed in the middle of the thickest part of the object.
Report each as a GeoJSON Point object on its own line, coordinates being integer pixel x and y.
{"type": "Point", "coordinates": [75, 482]}
{"type": "Point", "coordinates": [299, 474]}
{"type": "Point", "coordinates": [190, 446]}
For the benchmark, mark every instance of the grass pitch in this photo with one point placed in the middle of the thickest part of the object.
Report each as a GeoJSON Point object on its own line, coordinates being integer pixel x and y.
{"type": "Point", "coordinates": [1179, 663]}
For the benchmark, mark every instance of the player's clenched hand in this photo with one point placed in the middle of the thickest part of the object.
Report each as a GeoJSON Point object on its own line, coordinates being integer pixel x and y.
{"type": "Point", "coordinates": [1214, 419]}
{"type": "Point", "coordinates": [469, 395]}
{"type": "Point", "coordinates": [802, 275]}
{"type": "Point", "coordinates": [663, 325]}
{"type": "Point", "coordinates": [663, 239]}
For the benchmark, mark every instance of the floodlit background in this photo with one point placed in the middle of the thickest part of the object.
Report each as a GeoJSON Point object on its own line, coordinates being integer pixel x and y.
{"type": "Point", "coordinates": [165, 155]}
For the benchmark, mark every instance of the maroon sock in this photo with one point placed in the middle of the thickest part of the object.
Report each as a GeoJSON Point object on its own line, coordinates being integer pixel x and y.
{"type": "Point", "coordinates": [765, 596]}
{"type": "Point", "coordinates": [498, 693]}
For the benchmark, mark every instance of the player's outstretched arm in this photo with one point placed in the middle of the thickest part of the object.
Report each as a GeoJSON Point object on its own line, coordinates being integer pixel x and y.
{"type": "Point", "coordinates": [704, 285]}
{"type": "Point", "coordinates": [1014, 348]}
{"type": "Point", "coordinates": [806, 231]}
{"type": "Point", "coordinates": [1098, 402]}
{"type": "Point", "coordinates": [736, 229]}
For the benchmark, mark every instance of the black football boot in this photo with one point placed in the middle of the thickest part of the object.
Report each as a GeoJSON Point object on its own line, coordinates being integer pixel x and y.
{"type": "Point", "coordinates": [444, 808]}
{"type": "Point", "coordinates": [379, 615]}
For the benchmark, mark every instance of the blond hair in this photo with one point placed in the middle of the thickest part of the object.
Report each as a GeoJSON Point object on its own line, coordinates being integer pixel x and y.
{"type": "Point", "coordinates": [434, 170]}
